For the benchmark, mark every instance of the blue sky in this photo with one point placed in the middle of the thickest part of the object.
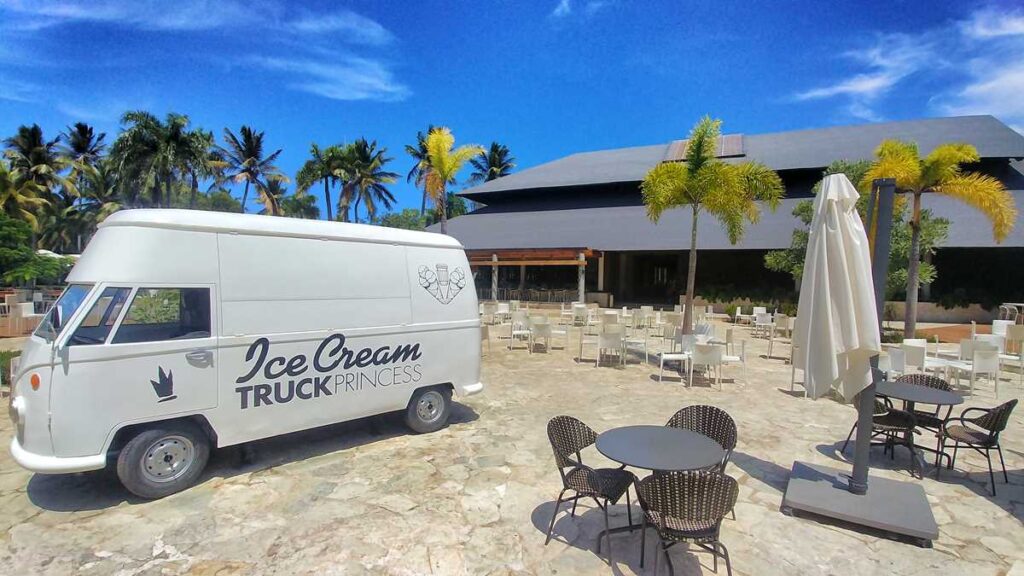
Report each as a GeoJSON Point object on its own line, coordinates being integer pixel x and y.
{"type": "Point", "coordinates": [547, 78]}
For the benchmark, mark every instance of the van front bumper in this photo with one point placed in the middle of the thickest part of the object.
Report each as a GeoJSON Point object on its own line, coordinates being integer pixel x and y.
{"type": "Point", "coordinates": [55, 464]}
{"type": "Point", "coordinates": [471, 389]}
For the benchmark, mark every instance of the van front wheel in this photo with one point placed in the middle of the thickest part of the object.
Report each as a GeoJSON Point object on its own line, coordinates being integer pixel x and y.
{"type": "Point", "coordinates": [163, 460]}
{"type": "Point", "coordinates": [429, 409]}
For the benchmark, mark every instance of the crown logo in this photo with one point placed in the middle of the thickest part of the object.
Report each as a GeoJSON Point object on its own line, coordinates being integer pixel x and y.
{"type": "Point", "coordinates": [164, 386]}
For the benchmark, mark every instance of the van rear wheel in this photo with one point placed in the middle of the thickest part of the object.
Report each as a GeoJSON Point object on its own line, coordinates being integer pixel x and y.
{"type": "Point", "coordinates": [163, 460]}
{"type": "Point", "coordinates": [429, 409]}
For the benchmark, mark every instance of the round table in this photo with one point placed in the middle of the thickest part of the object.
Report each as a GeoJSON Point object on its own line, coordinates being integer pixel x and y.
{"type": "Point", "coordinates": [911, 394]}
{"type": "Point", "coordinates": [660, 448]}
{"type": "Point", "coordinates": [914, 393]}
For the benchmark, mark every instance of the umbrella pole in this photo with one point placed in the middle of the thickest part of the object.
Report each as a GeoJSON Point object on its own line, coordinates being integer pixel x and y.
{"type": "Point", "coordinates": [884, 190]}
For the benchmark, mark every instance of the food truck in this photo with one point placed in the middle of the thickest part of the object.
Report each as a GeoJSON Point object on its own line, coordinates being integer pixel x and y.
{"type": "Point", "coordinates": [181, 331]}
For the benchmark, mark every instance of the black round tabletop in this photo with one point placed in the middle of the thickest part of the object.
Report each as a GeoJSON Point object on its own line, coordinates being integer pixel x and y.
{"type": "Point", "coordinates": [659, 448]}
{"type": "Point", "coordinates": [917, 393]}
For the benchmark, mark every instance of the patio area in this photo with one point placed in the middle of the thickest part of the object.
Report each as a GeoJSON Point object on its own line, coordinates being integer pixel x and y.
{"type": "Point", "coordinates": [476, 497]}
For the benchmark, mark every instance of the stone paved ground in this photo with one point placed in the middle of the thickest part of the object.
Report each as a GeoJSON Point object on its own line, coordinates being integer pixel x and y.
{"type": "Point", "coordinates": [475, 498]}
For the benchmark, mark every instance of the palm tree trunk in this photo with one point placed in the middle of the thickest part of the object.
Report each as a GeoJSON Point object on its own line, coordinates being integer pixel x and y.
{"type": "Point", "coordinates": [355, 208]}
{"type": "Point", "coordinates": [245, 196]}
{"type": "Point", "coordinates": [443, 201]}
{"type": "Point", "coordinates": [167, 190]}
{"type": "Point", "coordinates": [327, 198]}
{"type": "Point", "coordinates": [691, 277]}
{"type": "Point", "coordinates": [423, 202]}
{"type": "Point", "coordinates": [195, 192]}
{"type": "Point", "coordinates": [913, 271]}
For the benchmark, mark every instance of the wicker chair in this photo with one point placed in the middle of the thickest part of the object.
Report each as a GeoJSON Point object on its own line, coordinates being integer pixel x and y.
{"type": "Point", "coordinates": [568, 437]}
{"type": "Point", "coordinates": [710, 421]}
{"type": "Point", "coordinates": [980, 433]}
{"type": "Point", "coordinates": [893, 425]}
{"type": "Point", "coordinates": [929, 420]}
{"type": "Point", "coordinates": [687, 507]}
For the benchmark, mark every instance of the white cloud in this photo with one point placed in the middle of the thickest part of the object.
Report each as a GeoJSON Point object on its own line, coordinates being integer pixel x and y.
{"type": "Point", "coordinates": [143, 14]}
{"type": "Point", "coordinates": [18, 90]}
{"type": "Point", "coordinates": [889, 60]}
{"type": "Point", "coordinates": [991, 23]}
{"type": "Point", "coordinates": [293, 44]}
{"type": "Point", "coordinates": [343, 78]}
{"type": "Point", "coordinates": [104, 111]}
{"type": "Point", "coordinates": [349, 26]}
{"type": "Point", "coordinates": [562, 9]}
{"type": "Point", "coordinates": [995, 89]}
{"type": "Point", "coordinates": [590, 7]}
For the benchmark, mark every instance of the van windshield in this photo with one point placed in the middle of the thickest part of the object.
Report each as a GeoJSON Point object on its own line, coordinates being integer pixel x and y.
{"type": "Point", "coordinates": [63, 309]}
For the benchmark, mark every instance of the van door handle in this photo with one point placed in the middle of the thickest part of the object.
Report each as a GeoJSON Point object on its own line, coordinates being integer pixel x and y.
{"type": "Point", "coordinates": [204, 357]}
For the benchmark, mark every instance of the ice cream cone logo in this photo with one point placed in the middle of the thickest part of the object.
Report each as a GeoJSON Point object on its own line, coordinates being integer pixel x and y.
{"type": "Point", "coordinates": [442, 284]}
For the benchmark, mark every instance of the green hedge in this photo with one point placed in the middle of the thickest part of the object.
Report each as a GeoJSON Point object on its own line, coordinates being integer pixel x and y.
{"type": "Point", "coordinates": [5, 365]}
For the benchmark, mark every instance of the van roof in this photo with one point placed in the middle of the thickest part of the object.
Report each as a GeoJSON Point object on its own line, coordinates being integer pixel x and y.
{"type": "Point", "coordinates": [202, 221]}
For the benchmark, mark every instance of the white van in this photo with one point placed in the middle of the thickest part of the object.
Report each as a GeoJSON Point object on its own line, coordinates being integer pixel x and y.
{"type": "Point", "coordinates": [183, 330]}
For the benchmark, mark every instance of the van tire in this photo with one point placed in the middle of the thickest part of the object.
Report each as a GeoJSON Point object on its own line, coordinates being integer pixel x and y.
{"type": "Point", "coordinates": [146, 464]}
{"type": "Point", "coordinates": [429, 409]}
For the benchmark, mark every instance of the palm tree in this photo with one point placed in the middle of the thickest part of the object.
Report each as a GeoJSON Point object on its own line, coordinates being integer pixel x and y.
{"type": "Point", "coordinates": [494, 163]}
{"type": "Point", "coordinates": [300, 205]}
{"type": "Point", "coordinates": [82, 144]}
{"type": "Point", "coordinates": [150, 155]}
{"type": "Point", "coordinates": [271, 196]}
{"type": "Point", "coordinates": [324, 164]}
{"type": "Point", "coordinates": [939, 172]}
{"type": "Point", "coordinates": [33, 157]}
{"type": "Point", "coordinates": [443, 164]}
{"type": "Point", "coordinates": [99, 193]}
{"type": "Point", "coordinates": [705, 184]}
{"type": "Point", "coordinates": [246, 162]}
{"type": "Point", "coordinates": [20, 198]}
{"type": "Point", "coordinates": [418, 171]}
{"type": "Point", "coordinates": [367, 177]}
{"type": "Point", "coordinates": [205, 162]}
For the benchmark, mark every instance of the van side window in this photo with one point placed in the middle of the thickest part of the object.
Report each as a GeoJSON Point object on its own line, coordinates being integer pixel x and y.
{"type": "Point", "coordinates": [157, 314]}
{"type": "Point", "coordinates": [96, 325]}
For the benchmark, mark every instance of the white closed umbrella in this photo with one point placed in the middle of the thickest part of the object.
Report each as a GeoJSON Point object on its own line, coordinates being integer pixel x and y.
{"type": "Point", "coordinates": [837, 321]}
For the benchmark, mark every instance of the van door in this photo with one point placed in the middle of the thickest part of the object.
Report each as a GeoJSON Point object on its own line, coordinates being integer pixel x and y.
{"type": "Point", "coordinates": [139, 354]}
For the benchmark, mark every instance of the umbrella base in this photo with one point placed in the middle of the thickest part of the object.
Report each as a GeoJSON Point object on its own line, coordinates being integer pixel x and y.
{"type": "Point", "coordinates": [891, 508]}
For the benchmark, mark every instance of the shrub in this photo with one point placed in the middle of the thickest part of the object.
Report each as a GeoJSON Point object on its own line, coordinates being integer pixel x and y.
{"type": "Point", "coordinates": [5, 365]}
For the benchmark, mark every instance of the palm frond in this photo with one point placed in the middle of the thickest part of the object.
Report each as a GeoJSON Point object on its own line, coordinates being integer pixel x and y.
{"type": "Point", "coordinates": [988, 196]}
{"type": "Point", "coordinates": [664, 187]}
{"type": "Point", "coordinates": [898, 160]}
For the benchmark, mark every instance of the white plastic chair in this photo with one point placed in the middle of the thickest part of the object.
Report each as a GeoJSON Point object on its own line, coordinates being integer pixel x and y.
{"type": "Point", "coordinates": [1014, 348]}
{"type": "Point", "coordinates": [610, 340]}
{"type": "Point", "coordinates": [763, 324]}
{"type": "Point", "coordinates": [685, 344]}
{"type": "Point", "coordinates": [985, 360]}
{"type": "Point", "coordinates": [740, 358]}
{"type": "Point", "coordinates": [503, 311]}
{"type": "Point", "coordinates": [710, 357]}
{"type": "Point", "coordinates": [519, 328]}
{"type": "Point", "coordinates": [485, 336]}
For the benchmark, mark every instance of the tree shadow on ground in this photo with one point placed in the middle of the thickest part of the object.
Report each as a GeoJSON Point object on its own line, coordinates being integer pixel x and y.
{"type": "Point", "coordinates": [100, 489]}
{"type": "Point", "coordinates": [583, 530]}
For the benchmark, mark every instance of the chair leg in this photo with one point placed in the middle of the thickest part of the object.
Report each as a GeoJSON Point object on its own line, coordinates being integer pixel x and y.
{"type": "Point", "coordinates": [991, 476]}
{"type": "Point", "coordinates": [554, 515]}
{"type": "Point", "coordinates": [725, 556]}
{"type": "Point", "coordinates": [1002, 463]}
{"type": "Point", "coordinates": [643, 541]}
{"type": "Point", "coordinates": [629, 509]}
{"type": "Point", "coordinates": [573, 513]}
{"type": "Point", "coordinates": [607, 534]}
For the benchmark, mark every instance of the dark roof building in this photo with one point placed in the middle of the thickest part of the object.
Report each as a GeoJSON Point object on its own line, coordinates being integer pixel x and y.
{"type": "Point", "coordinates": [591, 201]}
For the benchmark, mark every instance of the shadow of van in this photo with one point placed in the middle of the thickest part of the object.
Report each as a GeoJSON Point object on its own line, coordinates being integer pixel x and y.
{"type": "Point", "coordinates": [101, 489]}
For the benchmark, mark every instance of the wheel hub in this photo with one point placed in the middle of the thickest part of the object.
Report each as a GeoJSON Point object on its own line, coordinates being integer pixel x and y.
{"type": "Point", "coordinates": [168, 458]}
{"type": "Point", "coordinates": [429, 407]}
